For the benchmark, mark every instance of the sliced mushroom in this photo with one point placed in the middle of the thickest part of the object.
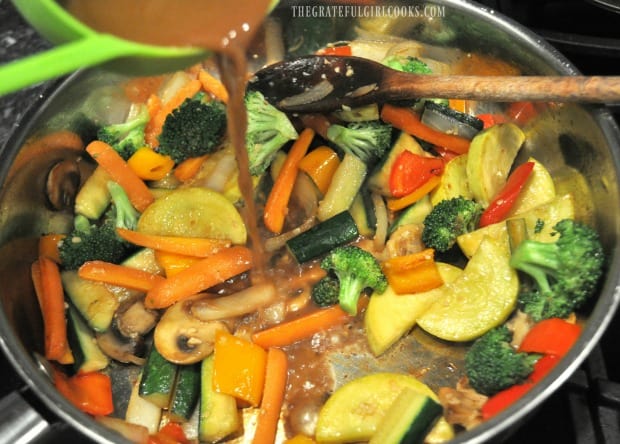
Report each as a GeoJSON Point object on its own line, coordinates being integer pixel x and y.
{"type": "Point", "coordinates": [184, 339]}
{"type": "Point", "coordinates": [127, 350]}
{"type": "Point", "coordinates": [135, 319]}
{"type": "Point", "coordinates": [62, 184]}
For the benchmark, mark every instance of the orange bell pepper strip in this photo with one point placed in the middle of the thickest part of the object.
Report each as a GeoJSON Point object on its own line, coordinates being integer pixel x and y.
{"type": "Point", "coordinates": [238, 368]}
{"type": "Point", "coordinates": [396, 204]}
{"type": "Point", "coordinates": [552, 336]}
{"type": "Point", "coordinates": [501, 205]}
{"type": "Point", "coordinates": [90, 392]}
{"type": "Point", "coordinates": [405, 119]}
{"type": "Point", "coordinates": [320, 164]}
{"type": "Point", "coordinates": [410, 171]}
{"type": "Point", "coordinates": [172, 263]}
{"type": "Point", "coordinates": [413, 273]}
{"type": "Point", "coordinates": [188, 168]}
{"type": "Point", "coordinates": [150, 165]}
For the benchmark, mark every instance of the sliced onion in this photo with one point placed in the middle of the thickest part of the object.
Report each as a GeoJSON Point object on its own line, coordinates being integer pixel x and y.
{"type": "Point", "coordinates": [314, 94]}
{"type": "Point", "coordinates": [172, 85]}
{"type": "Point", "coordinates": [275, 243]}
{"type": "Point", "coordinates": [381, 228]}
{"type": "Point", "coordinates": [306, 194]}
{"type": "Point", "coordinates": [221, 173]}
{"type": "Point", "coordinates": [243, 302]}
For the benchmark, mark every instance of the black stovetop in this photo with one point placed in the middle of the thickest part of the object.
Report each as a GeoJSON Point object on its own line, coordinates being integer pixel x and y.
{"type": "Point", "coordinates": [586, 410]}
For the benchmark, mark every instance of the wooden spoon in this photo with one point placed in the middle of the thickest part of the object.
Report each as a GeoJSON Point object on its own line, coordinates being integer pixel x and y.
{"type": "Point", "coordinates": [323, 83]}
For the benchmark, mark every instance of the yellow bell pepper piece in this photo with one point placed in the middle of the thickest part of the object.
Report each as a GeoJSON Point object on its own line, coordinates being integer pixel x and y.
{"type": "Point", "coordinates": [149, 165]}
{"type": "Point", "coordinates": [320, 164]}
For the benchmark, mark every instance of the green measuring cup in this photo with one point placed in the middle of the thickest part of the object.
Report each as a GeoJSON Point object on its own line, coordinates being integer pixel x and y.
{"type": "Point", "coordinates": [81, 47]}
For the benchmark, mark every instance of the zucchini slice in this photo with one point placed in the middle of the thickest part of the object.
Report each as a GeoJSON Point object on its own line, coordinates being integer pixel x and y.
{"type": "Point", "coordinates": [158, 377]}
{"type": "Point", "coordinates": [92, 299]}
{"type": "Point", "coordinates": [87, 355]}
{"type": "Point", "coordinates": [318, 240]}
{"type": "Point", "coordinates": [186, 393]}
{"type": "Point", "coordinates": [408, 420]}
{"type": "Point", "coordinates": [219, 416]}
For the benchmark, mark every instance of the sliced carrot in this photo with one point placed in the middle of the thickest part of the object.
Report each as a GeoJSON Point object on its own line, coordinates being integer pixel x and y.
{"type": "Point", "coordinates": [238, 368]}
{"type": "Point", "coordinates": [320, 164]}
{"type": "Point", "coordinates": [48, 246]}
{"type": "Point", "coordinates": [150, 165]}
{"type": "Point", "coordinates": [120, 275]}
{"type": "Point", "coordinates": [405, 119]}
{"type": "Point", "coordinates": [172, 263]}
{"type": "Point", "coordinates": [190, 246]}
{"type": "Point", "coordinates": [276, 374]}
{"type": "Point", "coordinates": [48, 286]}
{"type": "Point", "coordinates": [300, 328]}
{"type": "Point", "coordinates": [200, 276]}
{"type": "Point", "coordinates": [276, 206]}
{"type": "Point", "coordinates": [154, 106]}
{"type": "Point", "coordinates": [155, 125]}
{"type": "Point", "coordinates": [189, 168]}
{"type": "Point", "coordinates": [413, 273]}
{"type": "Point", "coordinates": [213, 86]}
{"type": "Point", "coordinates": [107, 157]}
{"type": "Point", "coordinates": [419, 193]}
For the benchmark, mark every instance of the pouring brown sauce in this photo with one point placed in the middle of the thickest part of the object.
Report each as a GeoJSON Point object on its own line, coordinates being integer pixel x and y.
{"type": "Point", "coordinates": [223, 26]}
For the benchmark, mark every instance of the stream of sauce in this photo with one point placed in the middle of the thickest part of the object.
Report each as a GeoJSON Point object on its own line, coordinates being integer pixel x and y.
{"type": "Point", "coordinates": [223, 26]}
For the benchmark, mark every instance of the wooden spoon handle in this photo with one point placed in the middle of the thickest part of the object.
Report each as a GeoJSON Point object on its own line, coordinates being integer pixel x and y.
{"type": "Point", "coordinates": [599, 89]}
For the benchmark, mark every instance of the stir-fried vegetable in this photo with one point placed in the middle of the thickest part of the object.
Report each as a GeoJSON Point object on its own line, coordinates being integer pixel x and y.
{"type": "Point", "coordinates": [360, 212]}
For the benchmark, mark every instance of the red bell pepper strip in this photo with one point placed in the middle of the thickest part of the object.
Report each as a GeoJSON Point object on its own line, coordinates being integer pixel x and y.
{"type": "Point", "coordinates": [553, 336]}
{"type": "Point", "coordinates": [501, 205]}
{"type": "Point", "coordinates": [171, 433]}
{"type": "Point", "coordinates": [489, 119]}
{"type": "Point", "coordinates": [504, 399]}
{"type": "Point", "coordinates": [410, 171]}
{"type": "Point", "coordinates": [542, 367]}
{"type": "Point", "coordinates": [337, 50]}
{"type": "Point", "coordinates": [522, 112]}
{"type": "Point", "coordinates": [90, 392]}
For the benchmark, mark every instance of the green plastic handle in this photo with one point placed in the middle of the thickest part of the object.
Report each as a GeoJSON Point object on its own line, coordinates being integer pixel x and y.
{"type": "Point", "coordinates": [59, 61]}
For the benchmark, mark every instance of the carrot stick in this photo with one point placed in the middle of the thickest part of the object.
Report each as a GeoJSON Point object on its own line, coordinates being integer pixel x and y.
{"type": "Point", "coordinates": [120, 275]}
{"type": "Point", "coordinates": [189, 168]}
{"type": "Point", "coordinates": [48, 286]}
{"type": "Point", "coordinates": [48, 246]}
{"type": "Point", "coordinates": [107, 157]}
{"type": "Point", "coordinates": [155, 125]}
{"type": "Point", "coordinates": [199, 276]}
{"type": "Point", "coordinates": [408, 121]}
{"type": "Point", "coordinates": [273, 396]}
{"type": "Point", "coordinates": [300, 328]}
{"type": "Point", "coordinates": [277, 202]}
{"type": "Point", "coordinates": [189, 246]}
{"type": "Point", "coordinates": [213, 86]}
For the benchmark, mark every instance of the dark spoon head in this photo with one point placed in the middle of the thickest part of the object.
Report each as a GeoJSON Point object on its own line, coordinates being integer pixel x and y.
{"type": "Point", "coordinates": [318, 83]}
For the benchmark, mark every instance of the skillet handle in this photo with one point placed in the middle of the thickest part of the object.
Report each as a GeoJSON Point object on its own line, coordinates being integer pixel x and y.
{"type": "Point", "coordinates": [19, 420]}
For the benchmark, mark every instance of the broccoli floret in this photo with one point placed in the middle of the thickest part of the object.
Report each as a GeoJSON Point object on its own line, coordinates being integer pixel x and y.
{"type": "Point", "coordinates": [492, 364]}
{"type": "Point", "coordinates": [127, 137]}
{"type": "Point", "coordinates": [268, 130]}
{"type": "Point", "coordinates": [407, 64]}
{"type": "Point", "coordinates": [325, 292]}
{"type": "Point", "coordinates": [565, 272]}
{"type": "Point", "coordinates": [195, 128]}
{"type": "Point", "coordinates": [368, 141]}
{"type": "Point", "coordinates": [90, 241]}
{"type": "Point", "coordinates": [356, 269]}
{"type": "Point", "coordinates": [449, 219]}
